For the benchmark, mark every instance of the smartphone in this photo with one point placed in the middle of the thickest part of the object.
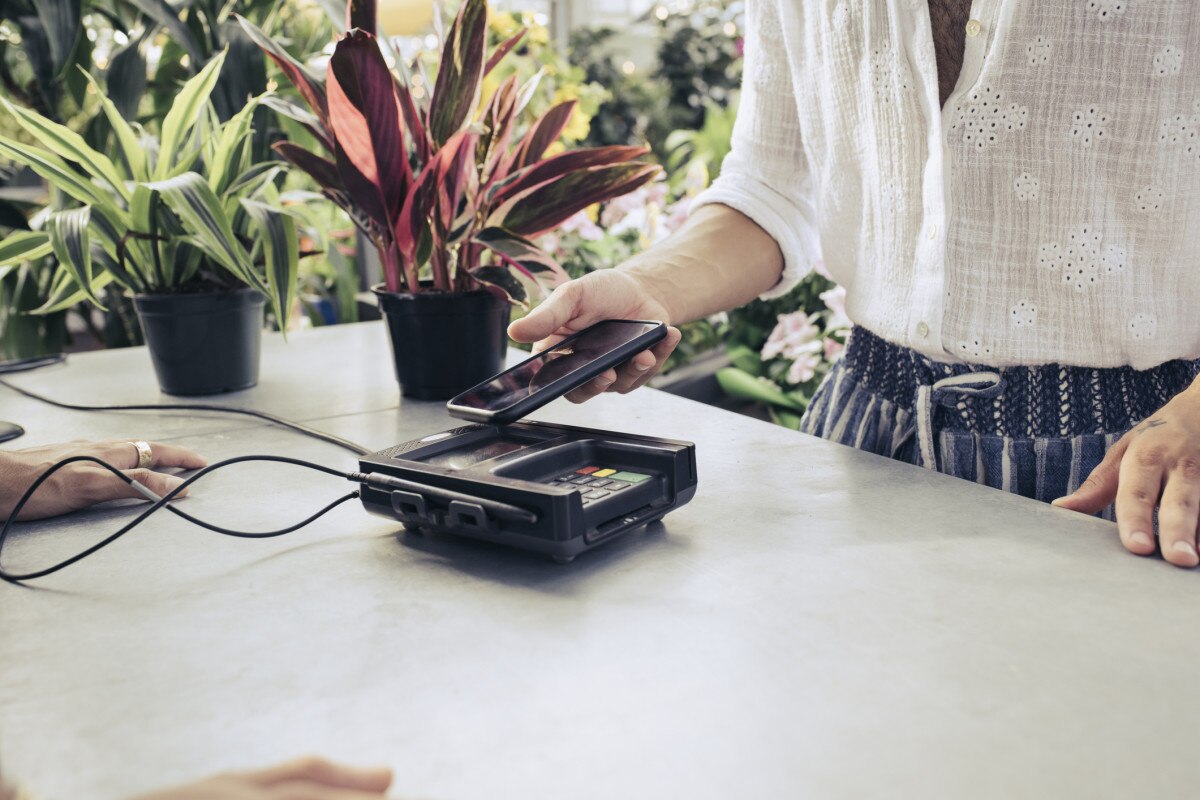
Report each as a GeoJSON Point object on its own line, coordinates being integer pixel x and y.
{"type": "Point", "coordinates": [555, 371]}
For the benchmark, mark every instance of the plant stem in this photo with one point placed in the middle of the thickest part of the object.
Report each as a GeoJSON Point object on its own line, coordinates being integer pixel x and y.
{"type": "Point", "coordinates": [441, 275]}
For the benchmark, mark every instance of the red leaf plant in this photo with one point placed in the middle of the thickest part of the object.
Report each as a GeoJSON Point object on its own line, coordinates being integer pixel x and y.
{"type": "Point", "coordinates": [442, 185]}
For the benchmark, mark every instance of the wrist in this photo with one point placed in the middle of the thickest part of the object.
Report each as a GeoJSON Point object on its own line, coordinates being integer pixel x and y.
{"type": "Point", "coordinates": [650, 285]}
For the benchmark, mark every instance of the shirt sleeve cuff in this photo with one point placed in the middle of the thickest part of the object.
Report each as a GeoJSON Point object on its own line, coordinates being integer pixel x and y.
{"type": "Point", "coordinates": [795, 235]}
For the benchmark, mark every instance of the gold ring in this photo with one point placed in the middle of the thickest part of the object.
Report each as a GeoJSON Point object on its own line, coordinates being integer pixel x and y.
{"type": "Point", "coordinates": [145, 454]}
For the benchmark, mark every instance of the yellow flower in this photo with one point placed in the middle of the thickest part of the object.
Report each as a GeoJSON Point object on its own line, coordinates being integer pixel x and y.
{"type": "Point", "coordinates": [538, 35]}
{"type": "Point", "coordinates": [593, 212]}
{"type": "Point", "coordinates": [565, 92]}
{"type": "Point", "coordinates": [502, 23]}
{"type": "Point", "coordinates": [577, 129]}
{"type": "Point", "coordinates": [490, 84]}
{"type": "Point", "coordinates": [555, 148]}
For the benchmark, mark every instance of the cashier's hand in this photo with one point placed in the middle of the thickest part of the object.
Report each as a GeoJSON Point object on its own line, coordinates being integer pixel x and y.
{"type": "Point", "coordinates": [83, 484]}
{"type": "Point", "coordinates": [606, 294]}
{"type": "Point", "coordinates": [1155, 464]}
{"type": "Point", "coordinates": [303, 779]}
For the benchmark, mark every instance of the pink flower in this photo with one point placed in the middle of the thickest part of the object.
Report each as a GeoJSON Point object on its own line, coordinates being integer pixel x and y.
{"type": "Point", "coordinates": [835, 301]}
{"type": "Point", "coordinates": [582, 224]}
{"type": "Point", "coordinates": [794, 334]}
{"type": "Point", "coordinates": [618, 208]}
{"type": "Point", "coordinates": [833, 349]}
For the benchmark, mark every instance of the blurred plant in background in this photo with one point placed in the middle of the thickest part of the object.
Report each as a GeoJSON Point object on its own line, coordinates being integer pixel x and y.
{"type": "Point", "coordinates": [699, 57]}
{"type": "Point", "coordinates": [682, 105]}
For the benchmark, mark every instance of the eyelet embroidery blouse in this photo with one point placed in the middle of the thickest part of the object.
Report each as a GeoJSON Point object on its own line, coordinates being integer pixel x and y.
{"type": "Point", "coordinates": [1050, 213]}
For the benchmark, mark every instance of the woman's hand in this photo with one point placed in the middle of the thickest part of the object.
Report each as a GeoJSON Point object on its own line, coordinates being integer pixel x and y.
{"type": "Point", "coordinates": [1155, 464]}
{"type": "Point", "coordinates": [303, 779]}
{"type": "Point", "coordinates": [601, 295]}
{"type": "Point", "coordinates": [83, 484]}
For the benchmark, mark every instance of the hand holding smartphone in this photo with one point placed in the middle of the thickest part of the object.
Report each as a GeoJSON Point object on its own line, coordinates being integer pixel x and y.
{"type": "Point", "coordinates": [555, 371]}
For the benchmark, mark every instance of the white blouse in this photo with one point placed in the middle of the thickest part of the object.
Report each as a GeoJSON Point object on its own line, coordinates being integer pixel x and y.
{"type": "Point", "coordinates": [1049, 214]}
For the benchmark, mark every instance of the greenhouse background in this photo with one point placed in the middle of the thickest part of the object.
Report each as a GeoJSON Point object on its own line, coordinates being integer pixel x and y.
{"type": "Point", "coordinates": [664, 75]}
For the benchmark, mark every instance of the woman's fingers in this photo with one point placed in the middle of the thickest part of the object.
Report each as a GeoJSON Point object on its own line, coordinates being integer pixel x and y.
{"type": "Point", "coordinates": [322, 772]}
{"type": "Point", "coordinates": [660, 352]}
{"type": "Point", "coordinates": [1137, 494]}
{"type": "Point", "coordinates": [597, 385]}
{"type": "Point", "coordinates": [1178, 513]}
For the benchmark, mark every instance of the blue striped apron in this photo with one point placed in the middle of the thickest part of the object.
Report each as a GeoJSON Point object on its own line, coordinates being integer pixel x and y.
{"type": "Point", "coordinates": [1033, 431]}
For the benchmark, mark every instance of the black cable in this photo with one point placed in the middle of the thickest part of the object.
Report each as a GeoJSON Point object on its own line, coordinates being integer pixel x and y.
{"type": "Point", "coordinates": [163, 502]}
{"type": "Point", "coordinates": [285, 423]}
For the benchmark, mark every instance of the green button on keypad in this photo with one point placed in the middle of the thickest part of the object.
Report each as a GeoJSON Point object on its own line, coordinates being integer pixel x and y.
{"type": "Point", "coordinates": [632, 477]}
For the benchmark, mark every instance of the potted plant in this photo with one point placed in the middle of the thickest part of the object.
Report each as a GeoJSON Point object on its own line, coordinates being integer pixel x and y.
{"type": "Point", "coordinates": [187, 224]}
{"type": "Point", "coordinates": [449, 189]}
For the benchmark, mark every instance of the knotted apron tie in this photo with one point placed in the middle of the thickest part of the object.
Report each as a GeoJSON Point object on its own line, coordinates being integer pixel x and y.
{"type": "Point", "coordinates": [946, 392]}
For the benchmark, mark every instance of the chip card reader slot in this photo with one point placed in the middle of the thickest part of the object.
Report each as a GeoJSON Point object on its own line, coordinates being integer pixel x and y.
{"type": "Point", "coordinates": [501, 511]}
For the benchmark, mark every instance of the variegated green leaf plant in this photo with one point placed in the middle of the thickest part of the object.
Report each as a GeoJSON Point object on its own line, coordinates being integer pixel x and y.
{"type": "Point", "coordinates": [186, 210]}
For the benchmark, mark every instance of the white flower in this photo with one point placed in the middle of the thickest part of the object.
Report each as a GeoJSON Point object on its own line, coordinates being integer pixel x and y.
{"type": "Point", "coordinates": [835, 301]}
{"type": "Point", "coordinates": [804, 367]}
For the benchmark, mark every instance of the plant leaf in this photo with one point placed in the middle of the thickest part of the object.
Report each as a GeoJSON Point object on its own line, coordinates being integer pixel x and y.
{"type": "Point", "coordinates": [62, 24]}
{"type": "Point", "coordinates": [460, 73]}
{"type": "Point", "coordinates": [68, 145]}
{"type": "Point", "coordinates": [544, 133]}
{"type": "Point", "coordinates": [65, 292]}
{"type": "Point", "coordinates": [281, 255]}
{"type": "Point", "coordinates": [413, 214]}
{"type": "Point", "coordinates": [24, 246]}
{"type": "Point", "coordinates": [297, 112]}
{"type": "Point", "coordinates": [306, 83]}
{"type": "Point", "coordinates": [365, 118]}
{"type": "Point", "coordinates": [169, 18]}
{"type": "Point", "coordinates": [186, 111]}
{"type": "Point", "coordinates": [132, 151]}
{"type": "Point", "coordinates": [556, 167]}
{"type": "Point", "coordinates": [505, 281]}
{"type": "Point", "coordinates": [523, 252]}
{"type": "Point", "coordinates": [321, 170]}
{"type": "Point", "coordinates": [550, 204]}
{"type": "Point", "coordinates": [68, 232]}
{"type": "Point", "coordinates": [190, 196]}
{"type": "Point", "coordinates": [226, 155]}
{"type": "Point", "coordinates": [125, 79]}
{"type": "Point", "coordinates": [56, 171]}
{"type": "Point", "coordinates": [502, 50]}
{"type": "Point", "coordinates": [745, 386]}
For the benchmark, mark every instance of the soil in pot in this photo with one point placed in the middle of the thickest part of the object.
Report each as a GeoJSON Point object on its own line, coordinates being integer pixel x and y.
{"type": "Point", "coordinates": [444, 342]}
{"type": "Point", "coordinates": [204, 342]}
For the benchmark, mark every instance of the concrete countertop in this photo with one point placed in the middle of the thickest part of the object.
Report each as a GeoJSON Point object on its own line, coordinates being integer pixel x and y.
{"type": "Point", "coordinates": [817, 622]}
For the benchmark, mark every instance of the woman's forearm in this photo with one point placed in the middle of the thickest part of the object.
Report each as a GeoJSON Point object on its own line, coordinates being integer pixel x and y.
{"type": "Point", "coordinates": [717, 261]}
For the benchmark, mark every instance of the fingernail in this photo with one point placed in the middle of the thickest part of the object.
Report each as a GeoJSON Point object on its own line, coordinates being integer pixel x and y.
{"type": "Point", "coordinates": [603, 381]}
{"type": "Point", "coordinates": [641, 367]}
{"type": "Point", "coordinates": [1059, 501]}
{"type": "Point", "coordinates": [1184, 547]}
{"type": "Point", "coordinates": [1143, 539]}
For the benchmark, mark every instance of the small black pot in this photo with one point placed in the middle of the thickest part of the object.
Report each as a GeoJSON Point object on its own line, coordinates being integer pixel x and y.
{"type": "Point", "coordinates": [203, 342]}
{"type": "Point", "coordinates": [444, 342]}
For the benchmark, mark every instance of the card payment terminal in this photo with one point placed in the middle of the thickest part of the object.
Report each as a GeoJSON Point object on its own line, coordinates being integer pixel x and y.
{"type": "Point", "coordinates": [553, 489]}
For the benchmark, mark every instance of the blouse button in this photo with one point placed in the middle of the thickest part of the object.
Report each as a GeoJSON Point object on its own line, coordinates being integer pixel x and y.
{"type": "Point", "coordinates": [973, 27]}
{"type": "Point", "coordinates": [922, 330]}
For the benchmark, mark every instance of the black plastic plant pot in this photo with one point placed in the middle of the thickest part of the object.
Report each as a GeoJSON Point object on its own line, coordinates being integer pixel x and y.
{"type": "Point", "coordinates": [444, 342]}
{"type": "Point", "coordinates": [203, 342]}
